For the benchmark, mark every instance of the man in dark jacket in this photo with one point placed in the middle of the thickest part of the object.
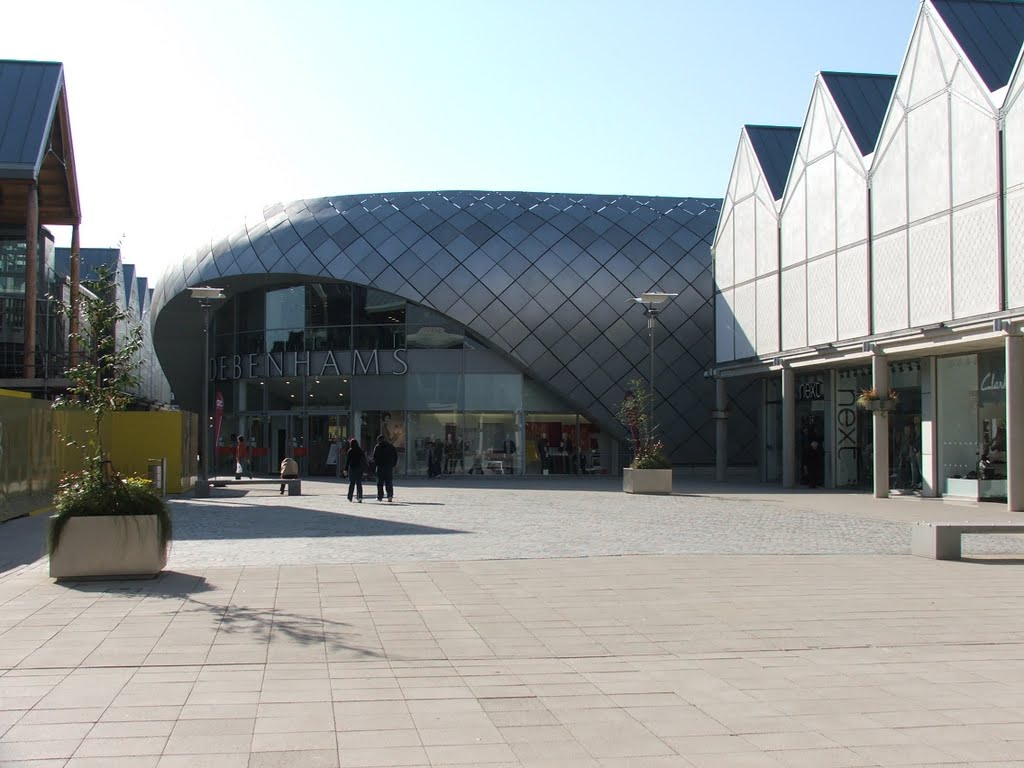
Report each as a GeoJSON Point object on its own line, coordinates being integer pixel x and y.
{"type": "Point", "coordinates": [385, 457]}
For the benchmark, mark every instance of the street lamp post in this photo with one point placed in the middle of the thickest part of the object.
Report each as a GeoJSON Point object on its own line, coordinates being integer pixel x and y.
{"type": "Point", "coordinates": [651, 302]}
{"type": "Point", "coordinates": [206, 296]}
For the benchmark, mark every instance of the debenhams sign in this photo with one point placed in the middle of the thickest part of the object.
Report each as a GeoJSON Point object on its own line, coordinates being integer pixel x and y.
{"type": "Point", "coordinates": [367, 362]}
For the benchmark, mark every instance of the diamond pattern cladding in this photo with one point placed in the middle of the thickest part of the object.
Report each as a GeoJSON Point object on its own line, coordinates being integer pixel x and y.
{"type": "Point", "coordinates": [551, 274]}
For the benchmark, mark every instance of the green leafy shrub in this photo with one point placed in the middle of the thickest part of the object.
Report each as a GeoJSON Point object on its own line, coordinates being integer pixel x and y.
{"type": "Point", "coordinates": [83, 494]}
{"type": "Point", "coordinates": [634, 413]}
{"type": "Point", "coordinates": [104, 373]}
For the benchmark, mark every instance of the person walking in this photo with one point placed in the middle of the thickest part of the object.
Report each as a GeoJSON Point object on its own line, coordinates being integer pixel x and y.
{"type": "Point", "coordinates": [355, 464]}
{"type": "Point", "coordinates": [242, 459]}
{"type": "Point", "coordinates": [385, 457]}
{"type": "Point", "coordinates": [289, 471]}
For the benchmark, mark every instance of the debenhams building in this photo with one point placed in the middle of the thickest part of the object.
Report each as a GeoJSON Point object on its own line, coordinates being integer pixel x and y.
{"type": "Point", "coordinates": [494, 330]}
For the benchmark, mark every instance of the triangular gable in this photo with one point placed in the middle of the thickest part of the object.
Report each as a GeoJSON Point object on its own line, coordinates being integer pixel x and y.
{"type": "Point", "coordinates": [862, 101]}
{"type": "Point", "coordinates": [990, 32]}
{"type": "Point", "coordinates": [774, 147]}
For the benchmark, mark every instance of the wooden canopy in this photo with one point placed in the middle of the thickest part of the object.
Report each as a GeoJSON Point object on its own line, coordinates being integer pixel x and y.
{"type": "Point", "coordinates": [35, 145]}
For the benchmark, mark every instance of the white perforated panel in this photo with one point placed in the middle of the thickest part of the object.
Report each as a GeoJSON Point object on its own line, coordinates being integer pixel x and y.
{"type": "Point", "coordinates": [975, 260]}
{"type": "Point", "coordinates": [975, 153]}
{"type": "Point", "coordinates": [821, 207]}
{"type": "Point", "coordinates": [745, 310]}
{"type": "Point", "coordinates": [889, 283]}
{"type": "Point", "coordinates": [928, 165]}
{"type": "Point", "coordinates": [794, 225]}
{"type": "Point", "coordinates": [889, 184]}
{"type": "Point", "coordinates": [929, 273]}
{"type": "Point", "coordinates": [794, 308]}
{"type": "Point", "coordinates": [725, 324]}
{"type": "Point", "coordinates": [821, 301]}
{"type": "Point", "coordinates": [743, 245]}
{"type": "Point", "coordinates": [767, 239]}
{"type": "Point", "coordinates": [1015, 249]}
{"type": "Point", "coordinates": [768, 315]}
{"type": "Point", "coordinates": [851, 204]}
{"type": "Point", "coordinates": [928, 75]}
{"type": "Point", "coordinates": [852, 290]}
{"type": "Point", "coordinates": [724, 258]}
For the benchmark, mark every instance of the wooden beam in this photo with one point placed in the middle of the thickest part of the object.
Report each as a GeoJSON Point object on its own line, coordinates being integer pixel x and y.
{"type": "Point", "coordinates": [75, 295]}
{"type": "Point", "coordinates": [28, 366]}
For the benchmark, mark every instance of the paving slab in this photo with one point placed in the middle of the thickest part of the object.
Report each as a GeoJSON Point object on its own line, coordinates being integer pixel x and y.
{"type": "Point", "coordinates": [513, 625]}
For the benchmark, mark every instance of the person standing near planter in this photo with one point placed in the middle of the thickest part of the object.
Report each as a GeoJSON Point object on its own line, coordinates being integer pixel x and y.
{"type": "Point", "coordinates": [355, 464]}
{"type": "Point", "coordinates": [385, 457]}
{"type": "Point", "coordinates": [242, 459]}
{"type": "Point", "coordinates": [289, 471]}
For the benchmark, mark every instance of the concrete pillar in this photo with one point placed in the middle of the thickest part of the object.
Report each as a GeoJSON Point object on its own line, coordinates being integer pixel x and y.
{"type": "Point", "coordinates": [789, 473]}
{"type": "Point", "coordinates": [930, 485]}
{"type": "Point", "coordinates": [28, 364]}
{"type": "Point", "coordinates": [1015, 423]}
{"type": "Point", "coordinates": [721, 430]}
{"type": "Point", "coordinates": [880, 427]}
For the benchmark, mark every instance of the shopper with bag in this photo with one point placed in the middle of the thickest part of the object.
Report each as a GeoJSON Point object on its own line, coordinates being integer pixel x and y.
{"type": "Point", "coordinates": [242, 464]}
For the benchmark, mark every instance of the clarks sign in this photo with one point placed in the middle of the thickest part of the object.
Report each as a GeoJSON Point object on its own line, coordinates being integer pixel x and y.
{"type": "Point", "coordinates": [368, 362]}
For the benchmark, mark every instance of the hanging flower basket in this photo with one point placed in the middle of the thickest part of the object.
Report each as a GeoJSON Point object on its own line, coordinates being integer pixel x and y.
{"type": "Point", "coordinates": [870, 401]}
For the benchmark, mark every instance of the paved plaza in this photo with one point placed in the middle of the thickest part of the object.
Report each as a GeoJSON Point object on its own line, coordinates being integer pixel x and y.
{"type": "Point", "coordinates": [512, 623]}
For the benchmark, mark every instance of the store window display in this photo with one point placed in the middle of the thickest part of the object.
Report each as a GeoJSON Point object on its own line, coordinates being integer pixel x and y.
{"type": "Point", "coordinates": [972, 425]}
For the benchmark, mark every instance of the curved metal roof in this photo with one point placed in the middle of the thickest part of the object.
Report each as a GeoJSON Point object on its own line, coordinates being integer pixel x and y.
{"type": "Point", "coordinates": [546, 279]}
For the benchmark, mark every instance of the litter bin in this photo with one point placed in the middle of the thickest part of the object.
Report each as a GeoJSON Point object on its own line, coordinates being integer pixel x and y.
{"type": "Point", "coordinates": [157, 469]}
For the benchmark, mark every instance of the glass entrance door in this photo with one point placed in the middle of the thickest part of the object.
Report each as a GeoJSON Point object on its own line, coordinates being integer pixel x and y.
{"type": "Point", "coordinates": [326, 434]}
{"type": "Point", "coordinates": [287, 438]}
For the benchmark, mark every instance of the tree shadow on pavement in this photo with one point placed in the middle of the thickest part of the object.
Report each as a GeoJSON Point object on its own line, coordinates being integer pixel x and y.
{"type": "Point", "coordinates": [247, 623]}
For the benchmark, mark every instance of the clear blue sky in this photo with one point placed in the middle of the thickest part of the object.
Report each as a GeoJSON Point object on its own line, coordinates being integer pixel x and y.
{"type": "Point", "coordinates": [187, 115]}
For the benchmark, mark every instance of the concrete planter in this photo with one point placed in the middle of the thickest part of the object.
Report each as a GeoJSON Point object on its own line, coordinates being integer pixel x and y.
{"type": "Point", "coordinates": [647, 480]}
{"type": "Point", "coordinates": [111, 545]}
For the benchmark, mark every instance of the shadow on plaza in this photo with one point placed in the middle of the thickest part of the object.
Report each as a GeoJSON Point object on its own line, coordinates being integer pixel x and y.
{"type": "Point", "coordinates": [248, 521]}
{"type": "Point", "coordinates": [245, 623]}
{"type": "Point", "coordinates": [22, 541]}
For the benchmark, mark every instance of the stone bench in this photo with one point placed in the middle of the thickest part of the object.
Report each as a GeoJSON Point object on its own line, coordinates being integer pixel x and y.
{"type": "Point", "coordinates": [203, 487]}
{"type": "Point", "coordinates": [941, 541]}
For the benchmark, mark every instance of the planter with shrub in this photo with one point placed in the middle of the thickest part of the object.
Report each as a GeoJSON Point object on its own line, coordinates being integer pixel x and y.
{"type": "Point", "coordinates": [106, 525]}
{"type": "Point", "coordinates": [650, 471]}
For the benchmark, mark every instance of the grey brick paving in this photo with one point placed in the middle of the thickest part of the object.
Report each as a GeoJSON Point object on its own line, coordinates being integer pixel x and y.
{"type": "Point", "coordinates": [514, 519]}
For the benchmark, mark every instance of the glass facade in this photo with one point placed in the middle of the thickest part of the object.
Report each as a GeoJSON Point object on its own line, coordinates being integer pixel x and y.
{"type": "Point", "coordinates": [834, 439]}
{"type": "Point", "coordinates": [972, 425]}
{"type": "Point", "coordinates": [51, 327]}
{"type": "Point", "coordinates": [301, 369]}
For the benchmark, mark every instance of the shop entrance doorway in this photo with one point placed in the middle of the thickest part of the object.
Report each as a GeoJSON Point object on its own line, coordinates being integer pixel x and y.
{"type": "Point", "coordinates": [327, 433]}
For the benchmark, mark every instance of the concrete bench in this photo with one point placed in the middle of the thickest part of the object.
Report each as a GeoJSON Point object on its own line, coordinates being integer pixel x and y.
{"type": "Point", "coordinates": [941, 541]}
{"type": "Point", "coordinates": [203, 488]}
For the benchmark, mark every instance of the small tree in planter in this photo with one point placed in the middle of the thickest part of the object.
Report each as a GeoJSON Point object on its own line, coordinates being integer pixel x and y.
{"type": "Point", "coordinates": [101, 380]}
{"type": "Point", "coordinates": [650, 471]}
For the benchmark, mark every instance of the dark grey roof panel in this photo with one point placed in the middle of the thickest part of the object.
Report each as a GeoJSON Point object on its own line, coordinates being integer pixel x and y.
{"type": "Point", "coordinates": [28, 101]}
{"type": "Point", "coordinates": [89, 259]}
{"type": "Point", "coordinates": [129, 281]}
{"type": "Point", "coordinates": [990, 32]}
{"type": "Point", "coordinates": [862, 100]}
{"type": "Point", "coordinates": [774, 146]}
